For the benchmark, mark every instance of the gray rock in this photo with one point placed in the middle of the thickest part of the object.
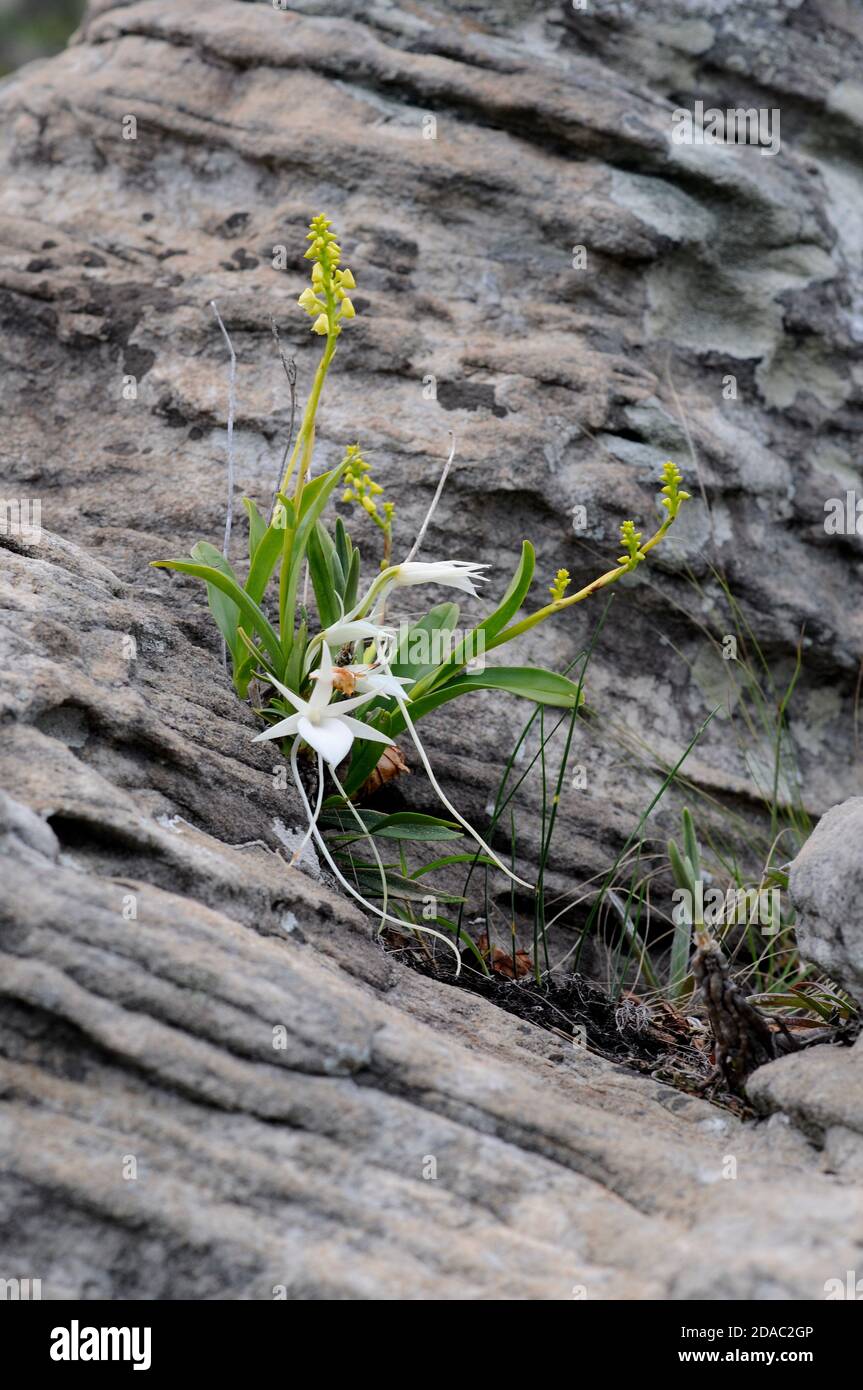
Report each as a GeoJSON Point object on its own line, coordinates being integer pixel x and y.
{"type": "Point", "coordinates": [826, 885]}
{"type": "Point", "coordinates": [821, 1089]}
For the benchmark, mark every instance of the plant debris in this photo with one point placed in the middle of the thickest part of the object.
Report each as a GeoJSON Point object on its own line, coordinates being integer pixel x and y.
{"type": "Point", "coordinates": [709, 1058]}
{"type": "Point", "coordinates": [744, 1040]}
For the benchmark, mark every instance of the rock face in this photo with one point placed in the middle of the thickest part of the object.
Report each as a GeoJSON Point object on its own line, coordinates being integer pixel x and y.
{"type": "Point", "coordinates": [214, 1084]}
{"type": "Point", "coordinates": [827, 884]}
{"type": "Point", "coordinates": [822, 1088]}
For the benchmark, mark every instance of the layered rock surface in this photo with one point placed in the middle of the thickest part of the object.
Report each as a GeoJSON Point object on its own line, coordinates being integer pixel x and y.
{"type": "Point", "coordinates": [152, 938]}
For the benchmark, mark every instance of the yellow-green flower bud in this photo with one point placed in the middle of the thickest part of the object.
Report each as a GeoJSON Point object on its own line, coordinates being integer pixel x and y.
{"type": "Point", "coordinates": [560, 585]}
{"type": "Point", "coordinates": [672, 497]}
{"type": "Point", "coordinates": [631, 541]}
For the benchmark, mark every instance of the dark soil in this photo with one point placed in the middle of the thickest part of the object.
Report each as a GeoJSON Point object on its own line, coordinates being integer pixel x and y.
{"type": "Point", "coordinates": [654, 1039]}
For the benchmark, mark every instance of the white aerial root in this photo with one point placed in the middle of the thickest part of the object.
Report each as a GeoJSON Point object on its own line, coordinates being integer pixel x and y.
{"type": "Point", "coordinates": [322, 846]}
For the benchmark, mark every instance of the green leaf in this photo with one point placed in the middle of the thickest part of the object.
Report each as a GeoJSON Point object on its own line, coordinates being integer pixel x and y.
{"type": "Point", "coordinates": [352, 581]}
{"type": "Point", "coordinates": [462, 935]}
{"type": "Point", "coordinates": [313, 488]}
{"type": "Point", "coordinates": [223, 609]}
{"type": "Point", "coordinates": [322, 553]}
{"type": "Point", "coordinates": [257, 527]}
{"type": "Point", "coordinates": [264, 561]}
{"type": "Point", "coordinates": [690, 843]}
{"type": "Point", "coordinates": [248, 608]}
{"type": "Point", "coordinates": [515, 594]}
{"type": "Point", "coordinates": [679, 968]}
{"type": "Point", "coordinates": [406, 889]}
{"type": "Point", "coordinates": [419, 641]}
{"type": "Point", "coordinates": [449, 859]}
{"type": "Point", "coordinates": [404, 825]}
{"type": "Point", "coordinates": [529, 682]}
{"type": "Point", "coordinates": [474, 643]}
{"type": "Point", "coordinates": [681, 868]}
{"type": "Point", "coordinates": [365, 755]}
{"type": "Point", "coordinates": [255, 658]}
{"type": "Point", "coordinates": [343, 545]}
{"type": "Point", "coordinates": [294, 668]}
{"type": "Point", "coordinates": [309, 513]}
{"type": "Point", "coordinates": [269, 546]}
{"type": "Point", "coordinates": [795, 1001]}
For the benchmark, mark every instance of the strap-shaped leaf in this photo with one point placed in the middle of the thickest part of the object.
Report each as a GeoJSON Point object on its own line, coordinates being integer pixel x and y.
{"type": "Point", "coordinates": [344, 547]}
{"type": "Point", "coordinates": [405, 889]}
{"type": "Point", "coordinates": [267, 554]}
{"type": "Point", "coordinates": [529, 682]}
{"type": "Point", "coordinates": [250, 611]}
{"type": "Point", "coordinates": [269, 547]}
{"type": "Point", "coordinates": [401, 825]}
{"type": "Point", "coordinates": [326, 572]}
{"type": "Point", "coordinates": [474, 642]}
{"type": "Point", "coordinates": [223, 609]}
{"type": "Point", "coordinates": [257, 526]}
{"type": "Point", "coordinates": [415, 656]}
{"type": "Point", "coordinates": [323, 487]}
{"type": "Point", "coordinates": [352, 581]}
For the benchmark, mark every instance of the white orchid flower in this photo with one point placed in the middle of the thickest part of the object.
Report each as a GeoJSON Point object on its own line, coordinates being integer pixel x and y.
{"type": "Point", "coordinates": [369, 680]}
{"type": "Point", "coordinates": [326, 727]}
{"type": "Point", "coordinates": [455, 574]}
{"type": "Point", "coordinates": [358, 630]}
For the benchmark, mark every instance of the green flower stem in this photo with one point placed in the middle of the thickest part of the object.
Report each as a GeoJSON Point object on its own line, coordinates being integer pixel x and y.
{"type": "Point", "coordinates": [559, 604]}
{"type": "Point", "coordinates": [549, 609]}
{"type": "Point", "coordinates": [367, 603]}
{"type": "Point", "coordinates": [309, 416]}
{"type": "Point", "coordinates": [306, 441]}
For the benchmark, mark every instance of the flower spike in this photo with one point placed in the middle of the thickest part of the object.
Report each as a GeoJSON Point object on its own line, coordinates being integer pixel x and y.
{"type": "Point", "coordinates": [672, 496]}
{"type": "Point", "coordinates": [630, 539]}
{"type": "Point", "coordinates": [560, 585]}
{"type": "Point", "coordinates": [326, 300]}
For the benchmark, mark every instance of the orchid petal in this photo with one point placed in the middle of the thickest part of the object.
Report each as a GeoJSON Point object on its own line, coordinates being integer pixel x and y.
{"type": "Point", "coordinates": [280, 730]}
{"type": "Point", "coordinates": [295, 700]}
{"type": "Point", "coordinates": [384, 685]}
{"type": "Point", "coordinates": [323, 678]}
{"type": "Point", "coordinates": [331, 738]}
{"type": "Point", "coordinates": [360, 730]}
{"type": "Point", "coordinates": [353, 703]}
{"type": "Point", "coordinates": [361, 629]}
